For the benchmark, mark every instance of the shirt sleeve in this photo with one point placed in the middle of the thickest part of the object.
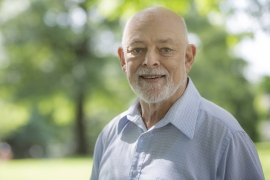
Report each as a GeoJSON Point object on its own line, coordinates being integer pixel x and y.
{"type": "Point", "coordinates": [96, 158]}
{"type": "Point", "coordinates": [240, 159]}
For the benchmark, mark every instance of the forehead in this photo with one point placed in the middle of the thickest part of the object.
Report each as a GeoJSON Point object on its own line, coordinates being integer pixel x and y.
{"type": "Point", "coordinates": [152, 32]}
{"type": "Point", "coordinates": [153, 28]}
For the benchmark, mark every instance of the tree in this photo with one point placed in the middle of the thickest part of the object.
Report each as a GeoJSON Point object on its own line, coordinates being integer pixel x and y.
{"type": "Point", "coordinates": [53, 64]}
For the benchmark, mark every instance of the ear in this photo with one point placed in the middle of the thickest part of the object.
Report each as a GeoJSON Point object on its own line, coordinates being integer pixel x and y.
{"type": "Point", "coordinates": [122, 59]}
{"type": "Point", "coordinates": [190, 55]}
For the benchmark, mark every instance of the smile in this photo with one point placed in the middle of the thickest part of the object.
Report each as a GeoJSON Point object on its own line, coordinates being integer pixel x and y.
{"type": "Point", "coordinates": [152, 76]}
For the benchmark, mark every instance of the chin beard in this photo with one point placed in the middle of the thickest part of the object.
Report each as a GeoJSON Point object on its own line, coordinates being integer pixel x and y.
{"type": "Point", "coordinates": [154, 92]}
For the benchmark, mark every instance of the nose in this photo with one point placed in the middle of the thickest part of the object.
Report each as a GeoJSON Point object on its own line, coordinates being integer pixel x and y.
{"type": "Point", "coordinates": [151, 59]}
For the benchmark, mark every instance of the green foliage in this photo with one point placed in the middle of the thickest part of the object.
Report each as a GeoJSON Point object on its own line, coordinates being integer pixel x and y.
{"type": "Point", "coordinates": [51, 62]}
{"type": "Point", "coordinates": [17, 114]}
{"type": "Point", "coordinates": [265, 85]}
{"type": "Point", "coordinates": [23, 139]}
{"type": "Point", "coordinates": [262, 100]}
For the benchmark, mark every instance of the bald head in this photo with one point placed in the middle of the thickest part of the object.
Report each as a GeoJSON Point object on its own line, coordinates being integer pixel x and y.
{"type": "Point", "coordinates": [156, 17]}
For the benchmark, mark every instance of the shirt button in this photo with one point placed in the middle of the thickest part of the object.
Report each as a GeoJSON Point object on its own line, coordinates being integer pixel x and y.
{"type": "Point", "coordinates": [134, 173]}
{"type": "Point", "coordinates": [145, 135]}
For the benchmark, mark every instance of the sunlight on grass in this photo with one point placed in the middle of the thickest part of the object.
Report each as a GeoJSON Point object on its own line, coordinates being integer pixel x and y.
{"type": "Point", "coordinates": [46, 169]}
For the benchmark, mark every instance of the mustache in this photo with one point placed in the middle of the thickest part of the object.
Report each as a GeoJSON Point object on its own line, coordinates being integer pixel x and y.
{"type": "Point", "coordinates": [156, 71]}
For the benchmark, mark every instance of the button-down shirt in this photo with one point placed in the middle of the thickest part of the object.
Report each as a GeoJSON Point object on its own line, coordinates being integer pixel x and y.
{"type": "Point", "coordinates": [195, 140]}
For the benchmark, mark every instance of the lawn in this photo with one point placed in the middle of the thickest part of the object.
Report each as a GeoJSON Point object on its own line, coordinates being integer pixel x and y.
{"type": "Point", "coordinates": [46, 169]}
{"type": "Point", "coordinates": [79, 168]}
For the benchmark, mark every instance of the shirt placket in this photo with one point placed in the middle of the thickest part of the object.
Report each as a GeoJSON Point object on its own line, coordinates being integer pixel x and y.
{"type": "Point", "coordinates": [139, 156]}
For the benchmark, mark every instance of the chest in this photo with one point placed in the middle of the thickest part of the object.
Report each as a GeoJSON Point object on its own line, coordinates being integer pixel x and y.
{"type": "Point", "coordinates": [163, 154]}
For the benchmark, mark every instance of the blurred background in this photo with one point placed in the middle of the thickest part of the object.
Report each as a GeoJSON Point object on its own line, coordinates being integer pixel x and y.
{"type": "Point", "coordinates": [61, 82]}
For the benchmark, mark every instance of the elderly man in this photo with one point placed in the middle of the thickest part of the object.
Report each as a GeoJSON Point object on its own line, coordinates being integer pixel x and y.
{"type": "Point", "coordinates": [170, 132]}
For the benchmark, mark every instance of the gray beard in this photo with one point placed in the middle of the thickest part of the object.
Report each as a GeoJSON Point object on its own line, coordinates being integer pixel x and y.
{"type": "Point", "coordinates": [153, 92]}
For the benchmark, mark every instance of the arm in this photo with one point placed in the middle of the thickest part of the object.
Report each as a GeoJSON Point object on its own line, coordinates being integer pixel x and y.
{"type": "Point", "coordinates": [240, 159]}
{"type": "Point", "coordinates": [96, 159]}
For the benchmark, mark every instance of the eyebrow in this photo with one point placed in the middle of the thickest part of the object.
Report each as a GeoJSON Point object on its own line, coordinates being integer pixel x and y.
{"type": "Point", "coordinates": [137, 42]}
{"type": "Point", "coordinates": [165, 40]}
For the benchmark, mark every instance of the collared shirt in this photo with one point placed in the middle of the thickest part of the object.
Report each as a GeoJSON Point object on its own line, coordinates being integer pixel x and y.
{"type": "Point", "coordinates": [195, 140]}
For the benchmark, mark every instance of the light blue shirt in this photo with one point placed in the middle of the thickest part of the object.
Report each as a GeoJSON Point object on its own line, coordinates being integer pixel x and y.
{"type": "Point", "coordinates": [195, 140]}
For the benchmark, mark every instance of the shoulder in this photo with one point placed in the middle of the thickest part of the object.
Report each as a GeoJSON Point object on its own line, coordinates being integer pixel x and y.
{"type": "Point", "coordinates": [218, 116]}
{"type": "Point", "coordinates": [113, 128]}
{"type": "Point", "coordinates": [116, 123]}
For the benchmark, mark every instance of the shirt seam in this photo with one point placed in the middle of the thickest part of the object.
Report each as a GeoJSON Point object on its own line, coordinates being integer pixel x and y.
{"type": "Point", "coordinates": [222, 121]}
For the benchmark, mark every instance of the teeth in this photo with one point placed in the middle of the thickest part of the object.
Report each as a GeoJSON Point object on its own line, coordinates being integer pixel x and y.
{"type": "Point", "coordinates": [151, 77]}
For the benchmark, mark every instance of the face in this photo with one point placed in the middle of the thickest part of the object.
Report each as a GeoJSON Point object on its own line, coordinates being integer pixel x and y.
{"type": "Point", "coordinates": [154, 58]}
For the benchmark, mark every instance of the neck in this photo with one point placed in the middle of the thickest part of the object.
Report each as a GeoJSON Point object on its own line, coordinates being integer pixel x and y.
{"type": "Point", "coordinates": [154, 112]}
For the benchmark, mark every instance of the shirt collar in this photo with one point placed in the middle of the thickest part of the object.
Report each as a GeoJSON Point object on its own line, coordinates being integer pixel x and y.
{"type": "Point", "coordinates": [134, 115]}
{"type": "Point", "coordinates": [183, 114]}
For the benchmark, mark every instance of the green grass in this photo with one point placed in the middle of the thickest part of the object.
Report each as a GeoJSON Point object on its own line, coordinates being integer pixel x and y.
{"type": "Point", "coordinates": [79, 168]}
{"type": "Point", "coordinates": [264, 154]}
{"type": "Point", "coordinates": [46, 169]}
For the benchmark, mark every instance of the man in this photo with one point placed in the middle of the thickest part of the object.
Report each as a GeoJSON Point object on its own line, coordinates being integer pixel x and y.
{"type": "Point", "coordinates": [170, 132]}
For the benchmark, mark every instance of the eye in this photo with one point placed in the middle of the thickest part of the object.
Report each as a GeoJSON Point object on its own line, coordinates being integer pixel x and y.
{"type": "Point", "coordinates": [137, 50]}
{"type": "Point", "coordinates": [166, 50]}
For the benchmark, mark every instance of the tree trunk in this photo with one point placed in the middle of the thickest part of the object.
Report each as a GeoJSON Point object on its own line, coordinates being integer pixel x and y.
{"type": "Point", "coordinates": [80, 126]}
